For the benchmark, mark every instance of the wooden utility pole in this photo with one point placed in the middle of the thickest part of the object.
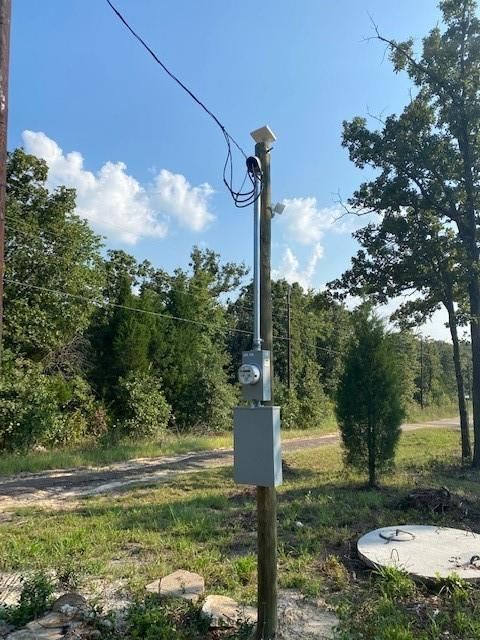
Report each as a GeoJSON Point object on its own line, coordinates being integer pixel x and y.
{"type": "Point", "coordinates": [421, 372]}
{"type": "Point", "coordinates": [289, 335]}
{"type": "Point", "coordinates": [266, 496]}
{"type": "Point", "coordinates": [5, 17]}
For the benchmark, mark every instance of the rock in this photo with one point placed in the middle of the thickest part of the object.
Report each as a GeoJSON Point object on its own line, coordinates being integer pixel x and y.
{"type": "Point", "coordinates": [43, 633]}
{"type": "Point", "coordinates": [182, 584]}
{"type": "Point", "coordinates": [226, 612]}
{"type": "Point", "coordinates": [52, 620]}
{"type": "Point", "coordinates": [10, 588]}
{"type": "Point", "coordinates": [36, 634]}
{"type": "Point", "coordinates": [153, 587]}
{"type": "Point", "coordinates": [21, 634]}
{"type": "Point", "coordinates": [299, 524]}
{"type": "Point", "coordinates": [5, 628]}
{"type": "Point", "coordinates": [71, 606]}
{"type": "Point", "coordinates": [105, 623]}
{"type": "Point", "coordinates": [6, 516]}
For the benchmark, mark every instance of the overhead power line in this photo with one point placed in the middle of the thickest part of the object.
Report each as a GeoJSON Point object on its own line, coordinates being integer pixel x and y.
{"type": "Point", "coordinates": [172, 280]}
{"type": "Point", "coordinates": [240, 198]}
{"type": "Point", "coordinates": [167, 316]}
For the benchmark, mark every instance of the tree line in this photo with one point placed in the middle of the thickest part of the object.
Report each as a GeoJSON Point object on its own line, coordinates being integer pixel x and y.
{"type": "Point", "coordinates": [100, 346]}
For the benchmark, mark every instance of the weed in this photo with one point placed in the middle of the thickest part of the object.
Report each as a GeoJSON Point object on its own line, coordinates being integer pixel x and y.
{"type": "Point", "coordinates": [35, 598]}
{"type": "Point", "coordinates": [332, 568]}
{"type": "Point", "coordinates": [394, 584]}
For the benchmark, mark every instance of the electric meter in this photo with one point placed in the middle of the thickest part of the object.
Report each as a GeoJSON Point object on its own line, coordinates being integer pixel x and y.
{"type": "Point", "coordinates": [248, 374]}
{"type": "Point", "coordinates": [254, 376]}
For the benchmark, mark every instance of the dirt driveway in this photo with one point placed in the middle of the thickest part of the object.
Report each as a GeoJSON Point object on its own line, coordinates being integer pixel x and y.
{"type": "Point", "coordinates": [62, 488]}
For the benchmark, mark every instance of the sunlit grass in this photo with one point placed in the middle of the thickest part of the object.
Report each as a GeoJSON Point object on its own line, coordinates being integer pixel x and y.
{"type": "Point", "coordinates": [203, 522]}
{"type": "Point", "coordinates": [95, 455]}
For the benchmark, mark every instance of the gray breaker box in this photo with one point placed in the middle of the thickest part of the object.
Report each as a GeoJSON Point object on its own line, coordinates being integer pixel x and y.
{"type": "Point", "coordinates": [257, 447]}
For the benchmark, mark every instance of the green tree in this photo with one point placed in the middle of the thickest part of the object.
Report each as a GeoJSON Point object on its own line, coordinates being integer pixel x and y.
{"type": "Point", "coordinates": [427, 158]}
{"type": "Point", "coordinates": [48, 249]}
{"type": "Point", "coordinates": [369, 399]}
{"type": "Point", "coordinates": [145, 411]}
{"type": "Point", "coordinates": [410, 252]}
{"type": "Point", "coordinates": [191, 356]}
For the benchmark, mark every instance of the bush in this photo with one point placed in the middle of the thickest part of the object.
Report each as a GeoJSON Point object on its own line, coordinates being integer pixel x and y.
{"type": "Point", "coordinates": [34, 600]}
{"type": "Point", "coordinates": [369, 398]}
{"type": "Point", "coordinates": [143, 410]}
{"type": "Point", "coordinates": [40, 409]}
{"type": "Point", "coordinates": [315, 407]}
{"type": "Point", "coordinates": [29, 412]}
{"type": "Point", "coordinates": [287, 399]}
{"type": "Point", "coordinates": [174, 620]}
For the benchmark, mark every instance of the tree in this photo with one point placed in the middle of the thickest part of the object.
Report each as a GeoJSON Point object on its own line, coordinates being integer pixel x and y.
{"type": "Point", "coordinates": [405, 253]}
{"type": "Point", "coordinates": [49, 249]}
{"type": "Point", "coordinates": [191, 357]}
{"type": "Point", "coordinates": [369, 398]}
{"type": "Point", "coordinates": [428, 158]}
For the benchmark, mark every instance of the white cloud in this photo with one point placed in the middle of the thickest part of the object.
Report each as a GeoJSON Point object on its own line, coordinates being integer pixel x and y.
{"type": "Point", "coordinates": [290, 270]}
{"type": "Point", "coordinates": [115, 203]}
{"type": "Point", "coordinates": [175, 196]}
{"type": "Point", "coordinates": [305, 223]}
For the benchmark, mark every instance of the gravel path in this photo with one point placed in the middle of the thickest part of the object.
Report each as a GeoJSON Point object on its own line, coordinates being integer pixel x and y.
{"type": "Point", "coordinates": [62, 488]}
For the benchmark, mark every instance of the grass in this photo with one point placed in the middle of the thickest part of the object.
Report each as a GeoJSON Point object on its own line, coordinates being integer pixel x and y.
{"type": "Point", "coordinates": [95, 455]}
{"type": "Point", "coordinates": [435, 412]}
{"type": "Point", "coordinates": [203, 522]}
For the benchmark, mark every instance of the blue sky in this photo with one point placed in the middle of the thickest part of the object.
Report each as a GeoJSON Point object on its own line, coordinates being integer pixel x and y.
{"type": "Point", "coordinates": [147, 162]}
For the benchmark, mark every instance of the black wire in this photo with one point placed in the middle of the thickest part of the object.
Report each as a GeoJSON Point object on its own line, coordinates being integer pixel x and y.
{"type": "Point", "coordinates": [240, 199]}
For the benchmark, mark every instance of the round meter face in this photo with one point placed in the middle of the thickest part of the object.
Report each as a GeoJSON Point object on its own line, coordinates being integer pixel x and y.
{"type": "Point", "coordinates": [248, 374]}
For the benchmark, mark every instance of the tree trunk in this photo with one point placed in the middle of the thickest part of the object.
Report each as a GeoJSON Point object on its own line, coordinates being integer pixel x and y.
{"type": "Point", "coordinates": [462, 405]}
{"type": "Point", "coordinates": [372, 469]}
{"type": "Point", "coordinates": [474, 294]}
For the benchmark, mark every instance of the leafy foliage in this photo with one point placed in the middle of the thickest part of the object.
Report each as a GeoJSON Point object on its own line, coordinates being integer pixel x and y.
{"type": "Point", "coordinates": [145, 410]}
{"type": "Point", "coordinates": [426, 166]}
{"type": "Point", "coordinates": [35, 597]}
{"type": "Point", "coordinates": [369, 400]}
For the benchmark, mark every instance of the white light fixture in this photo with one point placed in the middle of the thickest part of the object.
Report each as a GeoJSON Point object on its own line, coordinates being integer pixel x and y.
{"type": "Point", "coordinates": [278, 209]}
{"type": "Point", "coordinates": [264, 134]}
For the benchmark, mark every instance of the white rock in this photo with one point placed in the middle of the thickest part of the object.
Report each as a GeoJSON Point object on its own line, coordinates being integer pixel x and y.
{"type": "Point", "coordinates": [182, 584]}
{"type": "Point", "coordinates": [226, 612]}
{"type": "Point", "coordinates": [35, 634]}
{"type": "Point", "coordinates": [43, 633]}
{"type": "Point", "coordinates": [153, 587]}
{"type": "Point", "coordinates": [52, 620]}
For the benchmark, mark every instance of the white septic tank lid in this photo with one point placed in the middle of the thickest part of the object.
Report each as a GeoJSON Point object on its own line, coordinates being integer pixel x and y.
{"type": "Point", "coordinates": [423, 551]}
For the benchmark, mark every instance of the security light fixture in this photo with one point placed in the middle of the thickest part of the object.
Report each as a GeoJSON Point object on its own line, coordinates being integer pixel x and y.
{"type": "Point", "coordinates": [278, 209]}
{"type": "Point", "coordinates": [264, 134]}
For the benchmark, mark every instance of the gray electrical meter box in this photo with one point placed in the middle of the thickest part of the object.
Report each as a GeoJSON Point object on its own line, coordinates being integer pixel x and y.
{"type": "Point", "coordinates": [257, 447]}
{"type": "Point", "coordinates": [254, 375]}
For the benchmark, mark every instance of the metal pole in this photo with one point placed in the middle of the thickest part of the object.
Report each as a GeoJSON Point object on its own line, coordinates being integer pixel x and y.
{"type": "Point", "coordinates": [289, 343]}
{"type": "Point", "coordinates": [266, 496]}
{"type": "Point", "coordinates": [257, 341]}
{"type": "Point", "coordinates": [421, 372]}
{"type": "Point", "coordinates": [5, 18]}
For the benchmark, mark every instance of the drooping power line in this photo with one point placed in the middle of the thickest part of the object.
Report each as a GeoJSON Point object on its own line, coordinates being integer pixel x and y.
{"type": "Point", "coordinates": [241, 198]}
{"type": "Point", "coordinates": [103, 303]}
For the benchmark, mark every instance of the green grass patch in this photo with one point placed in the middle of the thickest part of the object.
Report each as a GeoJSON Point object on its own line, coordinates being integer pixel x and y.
{"type": "Point", "coordinates": [203, 522]}
{"type": "Point", "coordinates": [434, 412]}
{"type": "Point", "coordinates": [95, 455]}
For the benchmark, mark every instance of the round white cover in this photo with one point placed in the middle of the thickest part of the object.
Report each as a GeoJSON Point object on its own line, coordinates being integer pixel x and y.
{"type": "Point", "coordinates": [423, 551]}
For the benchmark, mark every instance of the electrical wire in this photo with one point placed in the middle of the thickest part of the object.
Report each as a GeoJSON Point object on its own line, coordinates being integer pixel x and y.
{"type": "Point", "coordinates": [241, 199]}
{"type": "Point", "coordinates": [281, 307]}
{"type": "Point", "coordinates": [103, 303]}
